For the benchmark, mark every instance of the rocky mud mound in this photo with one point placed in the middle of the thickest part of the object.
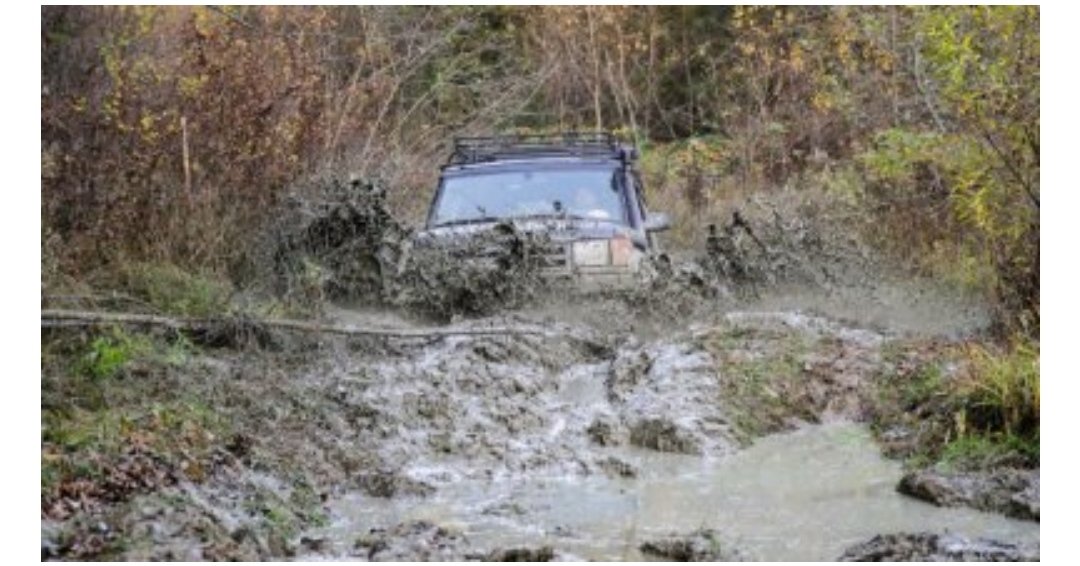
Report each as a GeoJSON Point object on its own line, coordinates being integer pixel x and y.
{"type": "Point", "coordinates": [411, 541]}
{"type": "Point", "coordinates": [487, 406]}
{"type": "Point", "coordinates": [929, 547]}
{"type": "Point", "coordinates": [705, 545]}
{"type": "Point", "coordinates": [1012, 492]}
{"type": "Point", "coordinates": [665, 397]}
{"type": "Point", "coordinates": [780, 370]}
{"type": "Point", "coordinates": [426, 541]}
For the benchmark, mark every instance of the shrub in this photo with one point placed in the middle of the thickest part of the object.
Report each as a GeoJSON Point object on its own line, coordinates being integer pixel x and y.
{"type": "Point", "coordinates": [172, 290]}
{"type": "Point", "coordinates": [110, 353]}
{"type": "Point", "coordinates": [999, 391]}
{"type": "Point", "coordinates": [969, 405]}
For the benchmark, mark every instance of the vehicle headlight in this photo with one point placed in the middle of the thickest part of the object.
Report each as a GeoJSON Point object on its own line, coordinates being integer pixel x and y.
{"type": "Point", "coordinates": [617, 252]}
{"type": "Point", "coordinates": [622, 250]}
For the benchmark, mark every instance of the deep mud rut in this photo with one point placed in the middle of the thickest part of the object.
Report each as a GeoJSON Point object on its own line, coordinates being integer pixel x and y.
{"type": "Point", "coordinates": [733, 437]}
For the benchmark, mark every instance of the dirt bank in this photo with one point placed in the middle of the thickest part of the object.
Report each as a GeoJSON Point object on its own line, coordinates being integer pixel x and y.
{"type": "Point", "coordinates": [921, 419]}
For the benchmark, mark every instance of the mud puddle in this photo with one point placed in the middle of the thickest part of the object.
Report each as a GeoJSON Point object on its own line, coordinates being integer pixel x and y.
{"type": "Point", "coordinates": [806, 495]}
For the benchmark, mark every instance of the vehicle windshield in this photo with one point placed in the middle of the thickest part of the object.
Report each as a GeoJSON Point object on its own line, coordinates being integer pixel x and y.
{"type": "Point", "coordinates": [586, 193]}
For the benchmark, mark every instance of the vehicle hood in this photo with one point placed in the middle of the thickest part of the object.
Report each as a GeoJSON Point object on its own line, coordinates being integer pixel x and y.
{"type": "Point", "coordinates": [557, 230]}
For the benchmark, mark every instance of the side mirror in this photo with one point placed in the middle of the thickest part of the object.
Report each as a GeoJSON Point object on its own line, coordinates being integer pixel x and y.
{"type": "Point", "coordinates": [657, 222]}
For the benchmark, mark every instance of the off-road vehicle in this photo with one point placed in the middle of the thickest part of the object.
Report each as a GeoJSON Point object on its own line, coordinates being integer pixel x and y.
{"type": "Point", "coordinates": [579, 191]}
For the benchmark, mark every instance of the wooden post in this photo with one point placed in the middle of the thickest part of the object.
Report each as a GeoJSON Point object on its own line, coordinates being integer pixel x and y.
{"type": "Point", "coordinates": [187, 159]}
{"type": "Point", "coordinates": [596, 68]}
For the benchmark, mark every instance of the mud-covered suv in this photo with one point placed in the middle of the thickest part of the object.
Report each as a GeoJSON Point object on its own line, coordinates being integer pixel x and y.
{"type": "Point", "coordinates": [580, 191]}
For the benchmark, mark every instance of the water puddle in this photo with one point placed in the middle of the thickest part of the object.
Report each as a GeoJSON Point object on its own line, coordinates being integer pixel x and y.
{"type": "Point", "coordinates": [807, 495]}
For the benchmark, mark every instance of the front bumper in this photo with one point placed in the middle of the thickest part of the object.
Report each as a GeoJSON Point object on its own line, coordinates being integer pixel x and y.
{"type": "Point", "coordinates": [604, 278]}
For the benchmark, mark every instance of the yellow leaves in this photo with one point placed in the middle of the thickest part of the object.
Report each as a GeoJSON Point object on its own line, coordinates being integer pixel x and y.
{"type": "Point", "coordinates": [707, 155]}
{"type": "Point", "coordinates": [146, 123]}
{"type": "Point", "coordinates": [204, 20]}
{"type": "Point", "coordinates": [146, 18]}
{"type": "Point", "coordinates": [795, 59]}
{"type": "Point", "coordinates": [978, 207]}
{"type": "Point", "coordinates": [110, 108]}
{"type": "Point", "coordinates": [821, 100]}
{"type": "Point", "coordinates": [114, 64]}
{"type": "Point", "coordinates": [885, 60]}
{"type": "Point", "coordinates": [843, 51]}
{"type": "Point", "coordinates": [190, 86]}
{"type": "Point", "coordinates": [152, 126]}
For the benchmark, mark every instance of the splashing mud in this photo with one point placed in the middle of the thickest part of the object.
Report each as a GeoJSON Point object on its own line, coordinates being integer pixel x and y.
{"type": "Point", "coordinates": [331, 240]}
{"type": "Point", "coordinates": [336, 240]}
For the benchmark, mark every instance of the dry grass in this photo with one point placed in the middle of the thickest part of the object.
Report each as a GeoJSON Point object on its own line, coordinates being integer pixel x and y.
{"type": "Point", "coordinates": [999, 390]}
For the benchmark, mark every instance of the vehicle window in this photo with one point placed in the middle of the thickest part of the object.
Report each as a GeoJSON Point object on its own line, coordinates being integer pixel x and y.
{"type": "Point", "coordinates": [587, 192]}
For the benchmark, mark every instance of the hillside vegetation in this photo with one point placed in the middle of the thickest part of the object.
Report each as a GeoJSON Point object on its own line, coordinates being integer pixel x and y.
{"type": "Point", "coordinates": [169, 133]}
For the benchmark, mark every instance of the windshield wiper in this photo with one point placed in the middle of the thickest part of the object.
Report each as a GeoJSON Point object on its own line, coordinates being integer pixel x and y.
{"type": "Point", "coordinates": [463, 221]}
{"type": "Point", "coordinates": [564, 216]}
{"type": "Point", "coordinates": [539, 216]}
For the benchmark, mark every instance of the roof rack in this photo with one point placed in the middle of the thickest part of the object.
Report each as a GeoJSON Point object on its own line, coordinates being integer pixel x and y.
{"type": "Point", "coordinates": [575, 144]}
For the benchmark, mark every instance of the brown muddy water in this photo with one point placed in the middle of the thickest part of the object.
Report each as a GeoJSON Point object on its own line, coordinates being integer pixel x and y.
{"type": "Point", "coordinates": [805, 495]}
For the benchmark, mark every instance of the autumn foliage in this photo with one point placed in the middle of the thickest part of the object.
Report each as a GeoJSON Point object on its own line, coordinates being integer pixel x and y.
{"type": "Point", "coordinates": [169, 134]}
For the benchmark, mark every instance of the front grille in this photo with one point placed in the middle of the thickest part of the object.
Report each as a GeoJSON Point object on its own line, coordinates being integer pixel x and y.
{"type": "Point", "coordinates": [555, 257]}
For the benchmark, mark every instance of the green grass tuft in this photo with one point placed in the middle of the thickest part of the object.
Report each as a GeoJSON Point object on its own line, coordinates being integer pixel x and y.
{"type": "Point", "coordinates": [172, 290]}
{"type": "Point", "coordinates": [109, 354]}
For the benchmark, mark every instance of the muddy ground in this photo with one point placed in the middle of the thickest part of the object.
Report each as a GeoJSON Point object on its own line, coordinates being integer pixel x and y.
{"type": "Point", "coordinates": [391, 418]}
{"type": "Point", "coordinates": [239, 449]}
